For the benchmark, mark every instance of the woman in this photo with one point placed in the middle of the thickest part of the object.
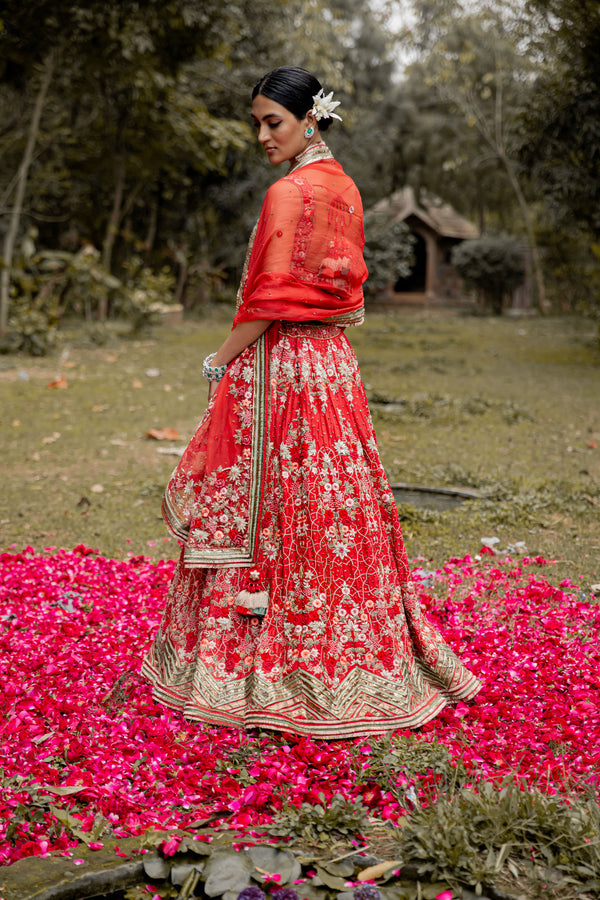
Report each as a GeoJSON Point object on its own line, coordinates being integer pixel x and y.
{"type": "Point", "coordinates": [292, 607]}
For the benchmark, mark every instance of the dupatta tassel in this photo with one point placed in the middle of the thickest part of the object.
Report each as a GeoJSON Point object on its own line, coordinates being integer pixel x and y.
{"type": "Point", "coordinates": [253, 599]}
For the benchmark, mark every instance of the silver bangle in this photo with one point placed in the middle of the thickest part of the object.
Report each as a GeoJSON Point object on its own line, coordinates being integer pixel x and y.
{"type": "Point", "coordinates": [212, 373]}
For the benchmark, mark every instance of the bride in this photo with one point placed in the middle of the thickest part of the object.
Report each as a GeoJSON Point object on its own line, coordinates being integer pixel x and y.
{"type": "Point", "coordinates": [292, 606]}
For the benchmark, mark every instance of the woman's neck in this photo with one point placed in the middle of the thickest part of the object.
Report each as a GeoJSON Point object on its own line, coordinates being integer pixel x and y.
{"type": "Point", "coordinates": [312, 153]}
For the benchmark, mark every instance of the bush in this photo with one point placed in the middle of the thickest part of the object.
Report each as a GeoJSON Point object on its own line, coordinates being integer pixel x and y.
{"type": "Point", "coordinates": [48, 284]}
{"type": "Point", "coordinates": [388, 251]}
{"type": "Point", "coordinates": [31, 326]}
{"type": "Point", "coordinates": [494, 266]}
{"type": "Point", "coordinates": [144, 295]}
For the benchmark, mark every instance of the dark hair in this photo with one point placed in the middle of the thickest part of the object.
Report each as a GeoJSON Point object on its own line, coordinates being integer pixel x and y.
{"type": "Point", "coordinates": [292, 87]}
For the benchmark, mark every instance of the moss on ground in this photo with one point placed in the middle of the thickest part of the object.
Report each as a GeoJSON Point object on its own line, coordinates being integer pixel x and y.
{"type": "Point", "coordinates": [509, 406]}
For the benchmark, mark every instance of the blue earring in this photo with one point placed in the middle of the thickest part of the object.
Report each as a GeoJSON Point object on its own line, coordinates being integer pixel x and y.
{"type": "Point", "coordinates": [309, 132]}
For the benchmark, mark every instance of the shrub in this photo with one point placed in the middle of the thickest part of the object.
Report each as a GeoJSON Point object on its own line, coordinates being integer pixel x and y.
{"type": "Point", "coordinates": [31, 326]}
{"type": "Point", "coordinates": [388, 251]}
{"type": "Point", "coordinates": [145, 294]}
{"type": "Point", "coordinates": [494, 266]}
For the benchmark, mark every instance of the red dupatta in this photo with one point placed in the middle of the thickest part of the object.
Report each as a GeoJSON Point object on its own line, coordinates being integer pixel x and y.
{"type": "Point", "coordinates": [305, 262]}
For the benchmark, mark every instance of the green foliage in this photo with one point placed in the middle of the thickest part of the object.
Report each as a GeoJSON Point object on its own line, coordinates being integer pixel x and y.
{"type": "Point", "coordinates": [144, 294]}
{"type": "Point", "coordinates": [388, 251]}
{"type": "Point", "coordinates": [48, 285]}
{"type": "Point", "coordinates": [319, 822]}
{"type": "Point", "coordinates": [395, 762]}
{"type": "Point", "coordinates": [562, 127]}
{"type": "Point", "coordinates": [572, 261]}
{"type": "Point", "coordinates": [31, 326]}
{"type": "Point", "coordinates": [34, 312]}
{"type": "Point", "coordinates": [80, 279]}
{"type": "Point", "coordinates": [476, 834]}
{"type": "Point", "coordinates": [147, 117]}
{"type": "Point", "coordinates": [492, 265]}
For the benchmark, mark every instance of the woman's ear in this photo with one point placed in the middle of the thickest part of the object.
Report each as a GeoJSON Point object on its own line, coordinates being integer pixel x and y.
{"type": "Point", "coordinates": [310, 124]}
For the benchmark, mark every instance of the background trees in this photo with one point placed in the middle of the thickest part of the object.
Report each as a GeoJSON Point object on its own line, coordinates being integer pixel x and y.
{"type": "Point", "coordinates": [125, 125]}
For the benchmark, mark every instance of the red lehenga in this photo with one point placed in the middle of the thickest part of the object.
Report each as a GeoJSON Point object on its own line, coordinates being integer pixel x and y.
{"type": "Point", "coordinates": [292, 606]}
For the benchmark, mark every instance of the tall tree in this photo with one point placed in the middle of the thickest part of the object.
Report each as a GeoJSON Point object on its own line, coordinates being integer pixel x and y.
{"type": "Point", "coordinates": [475, 64]}
{"type": "Point", "coordinates": [562, 147]}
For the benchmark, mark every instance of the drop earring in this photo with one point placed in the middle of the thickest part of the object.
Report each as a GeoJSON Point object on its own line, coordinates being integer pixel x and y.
{"type": "Point", "coordinates": [309, 132]}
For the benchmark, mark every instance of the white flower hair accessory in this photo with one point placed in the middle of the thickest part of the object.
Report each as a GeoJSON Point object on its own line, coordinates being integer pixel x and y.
{"type": "Point", "coordinates": [323, 106]}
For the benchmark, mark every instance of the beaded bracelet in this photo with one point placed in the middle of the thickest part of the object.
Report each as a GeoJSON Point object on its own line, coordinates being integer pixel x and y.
{"type": "Point", "coordinates": [212, 373]}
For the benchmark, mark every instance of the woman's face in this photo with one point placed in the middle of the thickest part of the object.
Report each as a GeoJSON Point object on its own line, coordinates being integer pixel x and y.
{"type": "Point", "coordinates": [278, 129]}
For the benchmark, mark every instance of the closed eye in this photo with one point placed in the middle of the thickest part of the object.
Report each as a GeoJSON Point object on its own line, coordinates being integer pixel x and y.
{"type": "Point", "coordinates": [269, 124]}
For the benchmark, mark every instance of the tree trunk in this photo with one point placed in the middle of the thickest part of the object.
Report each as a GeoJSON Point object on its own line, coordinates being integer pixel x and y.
{"type": "Point", "coordinates": [536, 264]}
{"type": "Point", "coordinates": [15, 218]}
{"type": "Point", "coordinates": [116, 214]}
{"type": "Point", "coordinates": [151, 232]}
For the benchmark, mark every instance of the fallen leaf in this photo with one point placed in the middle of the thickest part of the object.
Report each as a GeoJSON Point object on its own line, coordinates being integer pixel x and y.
{"type": "Point", "coordinates": [51, 438]}
{"type": "Point", "coordinates": [96, 489]}
{"type": "Point", "coordinates": [137, 384]}
{"type": "Point", "coordinates": [163, 434]}
{"type": "Point", "coordinates": [60, 382]}
{"type": "Point", "coordinates": [64, 790]}
{"type": "Point", "coordinates": [100, 408]}
{"type": "Point", "coordinates": [592, 445]}
{"type": "Point", "coordinates": [377, 871]}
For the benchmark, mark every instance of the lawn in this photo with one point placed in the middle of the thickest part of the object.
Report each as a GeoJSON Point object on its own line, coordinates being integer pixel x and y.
{"type": "Point", "coordinates": [508, 406]}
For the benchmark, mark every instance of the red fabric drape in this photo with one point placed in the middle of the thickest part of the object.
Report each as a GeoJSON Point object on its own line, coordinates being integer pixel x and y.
{"type": "Point", "coordinates": [306, 262]}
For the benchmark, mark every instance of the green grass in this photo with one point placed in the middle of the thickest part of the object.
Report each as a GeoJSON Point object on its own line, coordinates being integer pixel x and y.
{"type": "Point", "coordinates": [510, 406]}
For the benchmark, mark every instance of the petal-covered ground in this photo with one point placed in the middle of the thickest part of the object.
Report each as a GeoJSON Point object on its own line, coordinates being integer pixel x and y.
{"type": "Point", "coordinates": [83, 742]}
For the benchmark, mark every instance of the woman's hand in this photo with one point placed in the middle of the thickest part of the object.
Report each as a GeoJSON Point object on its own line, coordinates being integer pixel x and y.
{"type": "Point", "coordinates": [212, 389]}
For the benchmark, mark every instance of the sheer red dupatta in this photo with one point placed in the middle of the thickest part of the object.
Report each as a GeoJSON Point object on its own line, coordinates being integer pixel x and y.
{"type": "Point", "coordinates": [306, 261]}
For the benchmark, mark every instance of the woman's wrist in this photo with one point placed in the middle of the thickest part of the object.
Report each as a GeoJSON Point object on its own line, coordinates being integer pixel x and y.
{"type": "Point", "coordinates": [219, 359]}
{"type": "Point", "coordinates": [213, 372]}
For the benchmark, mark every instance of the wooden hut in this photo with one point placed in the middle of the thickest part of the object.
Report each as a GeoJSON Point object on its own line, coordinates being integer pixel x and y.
{"type": "Point", "coordinates": [437, 228]}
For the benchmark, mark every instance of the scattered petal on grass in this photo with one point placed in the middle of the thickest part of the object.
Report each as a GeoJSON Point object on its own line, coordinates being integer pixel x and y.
{"type": "Point", "coordinates": [60, 382]}
{"type": "Point", "coordinates": [74, 627]}
{"type": "Point", "coordinates": [163, 434]}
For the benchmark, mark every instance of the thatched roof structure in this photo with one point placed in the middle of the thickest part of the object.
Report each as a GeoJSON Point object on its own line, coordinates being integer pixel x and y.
{"type": "Point", "coordinates": [433, 212]}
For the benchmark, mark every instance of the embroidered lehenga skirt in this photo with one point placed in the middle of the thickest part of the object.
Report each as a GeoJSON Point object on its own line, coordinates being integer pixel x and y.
{"type": "Point", "coordinates": [283, 484]}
